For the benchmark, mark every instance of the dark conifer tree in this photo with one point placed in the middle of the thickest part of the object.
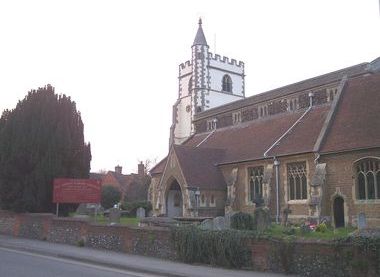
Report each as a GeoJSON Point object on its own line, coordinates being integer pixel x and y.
{"type": "Point", "coordinates": [41, 139]}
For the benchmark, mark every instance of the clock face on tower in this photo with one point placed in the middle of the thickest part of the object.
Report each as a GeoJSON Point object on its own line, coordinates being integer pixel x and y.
{"type": "Point", "coordinates": [188, 108]}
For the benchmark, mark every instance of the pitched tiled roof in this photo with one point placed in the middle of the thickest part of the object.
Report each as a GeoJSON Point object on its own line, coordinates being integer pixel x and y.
{"type": "Point", "coordinates": [96, 176]}
{"type": "Point", "coordinates": [249, 141]}
{"type": "Point", "coordinates": [303, 136]}
{"type": "Point", "coordinates": [158, 168]}
{"type": "Point", "coordinates": [357, 120]}
{"type": "Point", "coordinates": [199, 166]}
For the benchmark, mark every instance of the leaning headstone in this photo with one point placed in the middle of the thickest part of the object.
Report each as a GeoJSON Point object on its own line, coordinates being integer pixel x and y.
{"type": "Point", "coordinates": [140, 212]}
{"type": "Point", "coordinates": [219, 223]}
{"type": "Point", "coordinates": [362, 221]}
{"type": "Point", "coordinates": [114, 215]}
{"type": "Point", "coordinates": [207, 224]}
{"type": "Point", "coordinates": [227, 219]}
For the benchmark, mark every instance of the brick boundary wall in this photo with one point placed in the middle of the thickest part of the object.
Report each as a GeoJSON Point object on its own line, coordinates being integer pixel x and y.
{"type": "Point", "coordinates": [304, 258]}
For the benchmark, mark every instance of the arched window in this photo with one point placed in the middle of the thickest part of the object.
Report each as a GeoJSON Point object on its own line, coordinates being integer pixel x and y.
{"type": "Point", "coordinates": [256, 183]}
{"type": "Point", "coordinates": [227, 83]}
{"type": "Point", "coordinates": [368, 179]}
{"type": "Point", "coordinates": [297, 181]}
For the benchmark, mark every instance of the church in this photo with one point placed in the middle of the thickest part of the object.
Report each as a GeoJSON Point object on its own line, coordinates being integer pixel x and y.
{"type": "Point", "coordinates": [309, 149]}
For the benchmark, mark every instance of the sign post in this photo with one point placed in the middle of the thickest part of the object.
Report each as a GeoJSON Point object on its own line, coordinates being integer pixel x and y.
{"type": "Point", "coordinates": [57, 208]}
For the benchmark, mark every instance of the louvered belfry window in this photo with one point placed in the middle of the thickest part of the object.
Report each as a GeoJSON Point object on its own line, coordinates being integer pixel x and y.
{"type": "Point", "coordinates": [227, 83]}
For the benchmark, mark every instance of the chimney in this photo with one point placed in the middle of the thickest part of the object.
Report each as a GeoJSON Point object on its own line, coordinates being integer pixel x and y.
{"type": "Point", "coordinates": [141, 169]}
{"type": "Point", "coordinates": [118, 169]}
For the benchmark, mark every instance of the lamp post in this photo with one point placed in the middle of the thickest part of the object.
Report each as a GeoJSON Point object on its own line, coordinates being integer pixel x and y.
{"type": "Point", "coordinates": [197, 194]}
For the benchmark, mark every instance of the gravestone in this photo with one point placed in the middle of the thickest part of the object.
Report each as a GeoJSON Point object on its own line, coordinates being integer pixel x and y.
{"type": "Point", "coordinates": [207, 224]}
{"type": "Point", "coordinates": [227, 219]}
{"type": "Point", "coordinates": [219, 223]}
{"type": "Point", "coordinates": [140, 212]}
{"type": "Point", "coordinates": [89, 209]}
{"type": "Point", "coordinates": [262, 219]}
{"type": "Point", "coordinates": [114, 216]}
{"type": "Point", "coordinates": [362, 221]}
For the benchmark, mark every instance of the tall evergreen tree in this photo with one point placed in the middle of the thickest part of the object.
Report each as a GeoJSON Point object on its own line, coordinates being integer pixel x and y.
{"type": "Point", "coordinates": [41, 139]}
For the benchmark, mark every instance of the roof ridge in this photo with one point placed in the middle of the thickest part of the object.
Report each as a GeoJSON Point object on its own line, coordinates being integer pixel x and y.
{"type": "Point", "coordinates": [251, 100]}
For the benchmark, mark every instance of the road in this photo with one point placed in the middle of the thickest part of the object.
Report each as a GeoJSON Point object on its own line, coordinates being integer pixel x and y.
{"type": "Point", "coordinates": [17, 263]}
{"type": "Point", "coordinates": [21, 257]}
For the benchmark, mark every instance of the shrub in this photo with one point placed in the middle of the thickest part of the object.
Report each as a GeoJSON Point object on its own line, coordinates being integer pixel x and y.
{"type": "Point", "coordinates": [321, 228]}
{"type": "Point", "coordinates": [226, 248]}
{"type": "Point", "coordinates": [110, 196]}
{"type": "Point", "coordinates": [131, 207]}
{"type": "Point", "coordinates": [80, 243]}
{"type": "Point", "coordinates": [242, 221]}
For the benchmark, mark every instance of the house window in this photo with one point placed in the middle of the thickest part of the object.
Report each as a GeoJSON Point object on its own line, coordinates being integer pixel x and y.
{"type": "Point", "coordinates": [297, 181]}
{"type": "Point", "coordinates": [368, 179]}
{"type": "Point", "coordinates": [236, 117]}
{"type": "Point", "coordinates": [227, 83]}
{"type": "Point", "coordinates": [256, 183]}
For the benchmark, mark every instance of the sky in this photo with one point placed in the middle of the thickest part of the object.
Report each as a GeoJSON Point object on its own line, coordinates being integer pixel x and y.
{"type": "Point", "coordinates": [118, 59]}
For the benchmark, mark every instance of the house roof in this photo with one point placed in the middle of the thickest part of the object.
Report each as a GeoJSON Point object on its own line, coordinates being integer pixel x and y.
{"type": "Point", "coordinates": [96, 176]}
{"type": "Point", "coordinates": [199, 166]}
{"type": "Point", "coordinates": [250, 140]}
{"type": "Point", "coordinates": [304, 135]}
{"type": "Point", "coordinates": [356, 124]}
{"type": "Point", "coordinates": [159, 167]}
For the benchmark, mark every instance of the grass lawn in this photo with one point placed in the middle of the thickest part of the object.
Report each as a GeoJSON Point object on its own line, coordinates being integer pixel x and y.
{"type": "Point", "coordinates": [278, 231]}
{"type": "Point", "coordinates": [100, 219]}
{"type": "Point", "coordinates": [128, 221]}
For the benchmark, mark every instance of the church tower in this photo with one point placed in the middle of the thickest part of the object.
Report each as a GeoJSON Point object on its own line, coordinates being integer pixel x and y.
{"type": "Point", "coordinates": [205, 82]}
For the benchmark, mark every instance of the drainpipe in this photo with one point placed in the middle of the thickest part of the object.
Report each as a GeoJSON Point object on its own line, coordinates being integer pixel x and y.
{"type": "Point", "coordinates": [311, 95]}
{"type": "Point", "coordinates": [276, 164]}
{"type": "Point", "coordinates": [209, 135]}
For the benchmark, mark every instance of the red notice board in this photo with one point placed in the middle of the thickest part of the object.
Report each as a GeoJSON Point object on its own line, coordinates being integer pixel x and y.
{"type": "Point", "coordinates": [76, 191]}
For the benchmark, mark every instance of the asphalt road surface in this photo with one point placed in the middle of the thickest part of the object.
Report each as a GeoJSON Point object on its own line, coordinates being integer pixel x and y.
{"type": "Point", "coordinates": [15, 263]}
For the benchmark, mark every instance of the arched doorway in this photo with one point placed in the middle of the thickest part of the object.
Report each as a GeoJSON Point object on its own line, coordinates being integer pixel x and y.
{"type": "Point", "coordinates": [174, 200]}
{"type": "Point", "coordinates": [338, 212]}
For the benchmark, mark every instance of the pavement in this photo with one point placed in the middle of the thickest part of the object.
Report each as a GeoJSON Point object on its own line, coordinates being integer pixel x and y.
{"type": "Point", "coordinates": [122, 261]}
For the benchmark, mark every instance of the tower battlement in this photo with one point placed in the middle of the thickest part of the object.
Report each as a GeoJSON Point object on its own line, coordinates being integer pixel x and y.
{"type": "Point", "coordinates": [185, 68]}
{"type": "Point", "coordinates": [224, 59]}
{"type": "Point", "coordinates": [185, 64]}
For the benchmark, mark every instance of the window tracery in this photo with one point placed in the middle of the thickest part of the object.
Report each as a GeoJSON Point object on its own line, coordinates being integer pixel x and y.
{"type": "Point", "coordinates": [297, 181]}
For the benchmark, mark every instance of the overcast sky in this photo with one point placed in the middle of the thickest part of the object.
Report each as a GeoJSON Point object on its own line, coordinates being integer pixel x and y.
{"type": "Point", "coordinates": [118, 60]}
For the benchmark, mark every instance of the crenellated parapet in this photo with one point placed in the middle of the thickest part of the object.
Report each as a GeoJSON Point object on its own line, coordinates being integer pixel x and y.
{"type": "Point", "coordinates": [185, 68]}
{"type": "Point", "coordinates": [224, 59]}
